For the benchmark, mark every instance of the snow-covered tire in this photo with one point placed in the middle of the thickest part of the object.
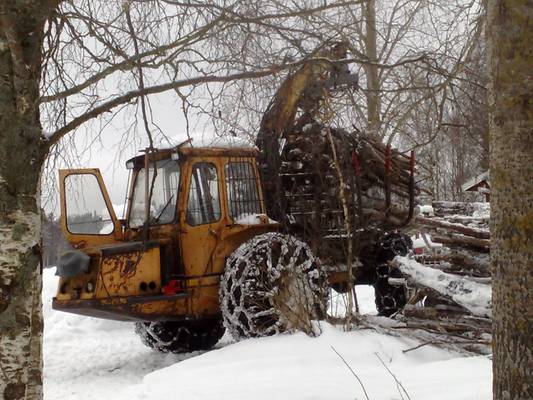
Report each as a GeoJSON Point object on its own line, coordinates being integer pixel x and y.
{"type": "Point", "coordinates": [180, 336]}
{"type": "Point", "coordinates": [390, 298]}
{"type": "Point", "coordinates": [271, 284]}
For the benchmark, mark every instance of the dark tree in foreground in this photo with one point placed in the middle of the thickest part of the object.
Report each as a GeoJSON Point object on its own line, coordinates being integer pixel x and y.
{"type": "Point", "coordinates": [510, 36]}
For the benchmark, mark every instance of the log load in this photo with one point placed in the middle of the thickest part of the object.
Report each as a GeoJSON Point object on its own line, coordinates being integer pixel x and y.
{"type": "Point", "coordinates": [378, 183]}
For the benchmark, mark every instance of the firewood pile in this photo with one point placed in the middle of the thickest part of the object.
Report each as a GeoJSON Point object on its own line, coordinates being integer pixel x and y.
{"type": "Point", "coordinates": [452, 275]}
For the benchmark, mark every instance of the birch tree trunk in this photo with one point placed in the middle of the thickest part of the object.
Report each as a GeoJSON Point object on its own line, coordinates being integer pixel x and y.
{"type": "Point", "coordinates": [509, 37]}
{"type": "Point", "coordinates": [22, 153]}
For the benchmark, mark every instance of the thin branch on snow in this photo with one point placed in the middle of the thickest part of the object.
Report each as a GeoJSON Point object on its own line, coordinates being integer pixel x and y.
{"type": "Point", "coordinates": [398, 383]}
{"type": "Point", "coordinates": [352, 371]}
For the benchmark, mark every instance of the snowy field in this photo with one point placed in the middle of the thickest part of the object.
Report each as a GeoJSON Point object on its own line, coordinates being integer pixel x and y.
{"type": "Point", "coordinates": [86, 358]}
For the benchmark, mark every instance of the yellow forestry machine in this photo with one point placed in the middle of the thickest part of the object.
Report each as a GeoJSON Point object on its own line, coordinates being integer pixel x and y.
{"type": "Point", "coordinates": [229, 236]}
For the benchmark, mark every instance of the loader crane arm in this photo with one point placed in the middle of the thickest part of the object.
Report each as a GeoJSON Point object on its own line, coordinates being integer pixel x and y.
{"type": "Point", "coordinates": [304, 162]}
{"type": "Point", "coordinates": [297, 101]}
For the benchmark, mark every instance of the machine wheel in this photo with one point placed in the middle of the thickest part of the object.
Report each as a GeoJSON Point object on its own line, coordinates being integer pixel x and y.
{"type": "Point", "coordinates": [272, 283]}
{"type": "Point", "coordinates": [180, 336]}
{"type": "Point", "coordinates": [390, 298]}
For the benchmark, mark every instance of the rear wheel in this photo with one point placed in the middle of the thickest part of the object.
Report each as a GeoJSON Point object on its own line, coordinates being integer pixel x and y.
{"type": "Point", "coordinates": [390, 298]}
{"type": "Point", "coordinates": [272, 283]}
{"type": "Point", "coordinates": [180, 336]}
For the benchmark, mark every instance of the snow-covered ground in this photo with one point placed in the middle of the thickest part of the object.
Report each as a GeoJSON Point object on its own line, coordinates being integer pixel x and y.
{"type": "Point", "coordinates": [86, 358]}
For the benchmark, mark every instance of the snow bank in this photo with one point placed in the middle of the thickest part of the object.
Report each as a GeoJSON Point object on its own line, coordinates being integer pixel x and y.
{"type": "Point", "coordinates": [299, 367]}
{"type": "Point", "coordinates": [86, 359]}
{"type": "Point", "coordinates": [337, 305]}
{"type": "Point", "coordinates": [92, 359]}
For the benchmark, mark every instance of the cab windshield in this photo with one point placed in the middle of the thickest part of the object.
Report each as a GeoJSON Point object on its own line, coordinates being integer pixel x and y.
{"type": "Point", "coordinates": [164, 194]}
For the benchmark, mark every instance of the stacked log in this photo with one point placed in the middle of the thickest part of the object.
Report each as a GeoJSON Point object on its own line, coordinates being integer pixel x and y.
{"type": "Point", "coordinates": [452, 279]}
{"type": "Point", "coordinates": [456, 309]}
{"type": "Point", "coordinates": [463, 231]}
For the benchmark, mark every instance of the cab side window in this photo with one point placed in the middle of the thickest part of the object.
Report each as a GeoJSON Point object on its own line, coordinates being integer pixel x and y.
{"type": "Point", "coordinates": [241, 186]}
{"type": "Point", "coordinates": [86, 209]}
{"type": "Point", "coordinates": [203, 205]}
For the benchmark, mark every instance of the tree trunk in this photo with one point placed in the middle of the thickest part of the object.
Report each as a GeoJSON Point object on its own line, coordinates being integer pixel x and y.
{"type": "Point", "coordinates": [22, 153]}
{"type": "Point", "coordinates": [509, 36]}
{"type": "Point", "coordinates": [371, 70]}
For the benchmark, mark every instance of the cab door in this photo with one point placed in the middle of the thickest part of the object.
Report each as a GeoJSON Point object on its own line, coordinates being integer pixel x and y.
{"type": "Point", "coordinates": [201, 216]}
{"type": "Point", "coordinates": [87, 215]}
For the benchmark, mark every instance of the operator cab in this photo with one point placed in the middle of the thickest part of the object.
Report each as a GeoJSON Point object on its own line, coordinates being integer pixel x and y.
{"type": "Point", "coordinates": [188, 209]}
{"type": "Point", "coordinates": [221, 185]}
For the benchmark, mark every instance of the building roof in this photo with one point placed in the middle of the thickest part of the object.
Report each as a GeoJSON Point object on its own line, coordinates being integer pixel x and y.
{"type": "Point", "coordinates": [473, 183]}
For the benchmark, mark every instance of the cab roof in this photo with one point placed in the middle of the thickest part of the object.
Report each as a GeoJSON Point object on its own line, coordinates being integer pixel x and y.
{"type": "Point", "coordinates": [219, 147]}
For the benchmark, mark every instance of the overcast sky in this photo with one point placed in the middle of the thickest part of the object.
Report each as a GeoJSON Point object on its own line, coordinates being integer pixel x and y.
{"type": "Point", "coordinates": [111, 152]}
